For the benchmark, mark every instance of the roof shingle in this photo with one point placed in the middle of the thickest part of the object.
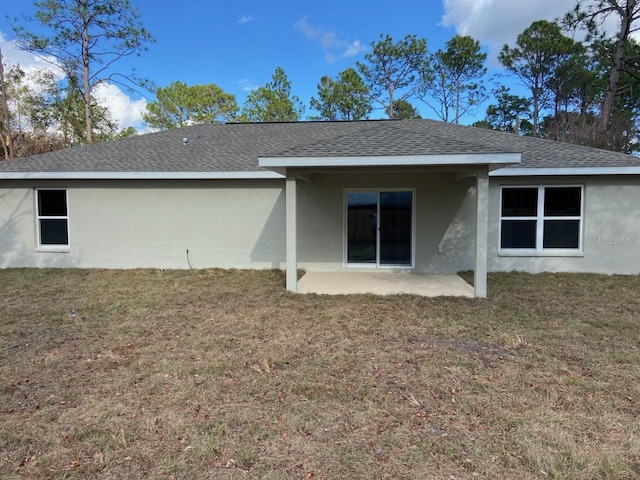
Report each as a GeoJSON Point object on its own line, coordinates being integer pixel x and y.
{"type": "Point", "coordinates": [237, 147]}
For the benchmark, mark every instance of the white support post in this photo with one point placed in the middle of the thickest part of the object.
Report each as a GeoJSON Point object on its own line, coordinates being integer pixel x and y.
{"type": "Point", "coordinates": [482, 222]}
{"type": "Point", "coordinates": [291, 235]}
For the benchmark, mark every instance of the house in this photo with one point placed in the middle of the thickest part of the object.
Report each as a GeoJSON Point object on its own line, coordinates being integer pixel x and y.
{"type": "Point", "coordinates": [416, 195]}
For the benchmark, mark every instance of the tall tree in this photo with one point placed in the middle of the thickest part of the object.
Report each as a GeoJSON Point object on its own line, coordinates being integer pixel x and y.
{"type": "Point", "coordinates": [32, 116]}
{"type": "Point", "coordinates": [273, 102]}
{"type": "Point", "coordinates": [624, 121]}
{"type": "Point", "coordinates": [178, 105]}
{"type": "Point", "coordinates": [592, 15]}
{"type": "Point", "coordinates": [86, 38]}
{"type": "Point", "coordinates": [5, 124]}
{"type": "Point", "coordinates": [46, 115]}
{"type": "Point", "coordinates": [68, 105]}
{"type": "Point", "coordinates": [453, 79]}
{"type": "Point", "coordinates": [540, 50]}
{"type": "Point", "coordinates": [574, 84]}
{"type": "Point", "coordinates": [345, 98]}
{"type": "Point", "coordinates": [511, 113]}
{"type": "Point", "coordinates": [391, 71]}
{"type": "Point", "coordinates": [404, 109]}
{"type": "Point", "coordinates": [575, 90]}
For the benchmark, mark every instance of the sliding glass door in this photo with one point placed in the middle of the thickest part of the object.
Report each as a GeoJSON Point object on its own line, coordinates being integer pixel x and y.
{"type": "Point", "coordinates": [379, 228]}
{"type": "Point", "coordinates": [362, 227]}
{"type": "Point", "coordinates": [395, 232]}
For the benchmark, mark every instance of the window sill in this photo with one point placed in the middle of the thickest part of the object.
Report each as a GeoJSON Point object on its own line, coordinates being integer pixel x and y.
{"type": "Point", "coordinates": [535, 253]}
{"type": "Point", "coordinates": [53, 249]}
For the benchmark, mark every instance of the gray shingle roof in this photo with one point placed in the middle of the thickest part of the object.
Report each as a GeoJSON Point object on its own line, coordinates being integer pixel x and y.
{"type": "Point", "coordinates": [236, 147]}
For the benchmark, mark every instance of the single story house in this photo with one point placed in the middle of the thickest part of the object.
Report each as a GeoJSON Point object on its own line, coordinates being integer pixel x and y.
{"type": "Point", "coordinates": [415, 195]}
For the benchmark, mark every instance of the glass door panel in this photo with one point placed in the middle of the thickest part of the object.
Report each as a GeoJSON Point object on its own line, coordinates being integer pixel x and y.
{"type": "Point", "coordinates": [380, 228]}
{"type": "Point", "coordinates": [362, 213]}
{"type": "Point", "coordinates": [396, 219]}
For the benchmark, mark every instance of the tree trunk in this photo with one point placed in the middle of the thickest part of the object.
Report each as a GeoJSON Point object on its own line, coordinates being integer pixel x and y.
{"type": "Point", "coordinates": [390, 108]}
{"type": "Point", "coordinates": [536, 111]}
{"type": "Point", "coordinates": [392, 104]}
{"type": "Point", "coordinates": [8, 144]}
{"type": "Point", "coordinates": [626, 18]}
{"type": "Point", "coordinates": [457, 120]}
{"type": "Point", "coordinates": [85, 77]}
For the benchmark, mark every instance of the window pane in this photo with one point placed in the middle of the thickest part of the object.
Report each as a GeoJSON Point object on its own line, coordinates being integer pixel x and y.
{"type": "Point", "coordinates": [52, 203]}
{"type": "Point", "coordinates": [362, 224]}
{"type": "Point", "coordinates": [562, 201]}
{"type": "Point", "coordinates": [518, 234]}
{"type": "Point", "coordinates": [395, 228]}
{"type": "Point", "coordinates": [561, 234]}
{"type": "Point", "coordinates": [53, 232]}
{"type": "Point", "coordinates": [519, 202]}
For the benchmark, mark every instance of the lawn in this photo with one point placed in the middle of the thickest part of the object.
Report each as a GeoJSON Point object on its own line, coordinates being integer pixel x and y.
{"type": "Point", "coordinates": [222, 374]}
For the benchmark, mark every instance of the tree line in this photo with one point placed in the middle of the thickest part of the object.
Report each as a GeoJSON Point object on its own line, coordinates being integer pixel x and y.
{"type": "Point", "coordinates": [578, 91]}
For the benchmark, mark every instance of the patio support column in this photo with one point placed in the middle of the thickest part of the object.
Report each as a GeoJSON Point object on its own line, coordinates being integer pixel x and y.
{"type": "Point", "coordinates": [291, 235]}
{"type": "Point", "coordinates": [482, 221]}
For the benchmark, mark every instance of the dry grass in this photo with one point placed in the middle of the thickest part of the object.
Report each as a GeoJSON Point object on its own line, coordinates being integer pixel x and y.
{"type": "Point", "coordinates": [222, 374]}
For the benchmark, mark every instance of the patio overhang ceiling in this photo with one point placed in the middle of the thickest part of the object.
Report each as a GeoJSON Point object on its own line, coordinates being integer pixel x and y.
{"type": "Point", "coordinates": [455, 161]}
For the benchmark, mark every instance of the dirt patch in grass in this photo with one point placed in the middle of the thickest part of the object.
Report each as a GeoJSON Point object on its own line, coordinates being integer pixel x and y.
{"type": "Point", "coordinates": [222, 374]}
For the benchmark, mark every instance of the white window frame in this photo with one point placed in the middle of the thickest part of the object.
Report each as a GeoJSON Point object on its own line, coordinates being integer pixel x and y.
{"type": "Point", "coordinates": [46, 247]}
{"type": "Point", "coordinates": [345, 233]}
{"type": "Point", "coordinates": [540, 218]}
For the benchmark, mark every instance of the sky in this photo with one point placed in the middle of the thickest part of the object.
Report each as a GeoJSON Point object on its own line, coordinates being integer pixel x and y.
{"type": "Point", "coordinates": [238, 44]}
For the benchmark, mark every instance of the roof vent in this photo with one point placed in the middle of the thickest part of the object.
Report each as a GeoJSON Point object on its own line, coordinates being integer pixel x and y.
{"type": "Point", "coordinates": [185, 140]}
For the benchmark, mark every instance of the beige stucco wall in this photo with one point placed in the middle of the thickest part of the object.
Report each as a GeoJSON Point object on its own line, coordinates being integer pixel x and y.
{"type": "Point", "coordinates": [445, 215]}
{"type": "Point", "coordinates": [611, 242]}
{"type": "Point", "coordinates": [129, 224]}
{"type": "Point", "coordinates": [229, 224]}
{"type": "Point", "coordinates": [241, 224]}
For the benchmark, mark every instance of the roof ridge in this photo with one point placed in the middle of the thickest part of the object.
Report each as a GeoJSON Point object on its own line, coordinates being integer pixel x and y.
{"type": "Point", "coordinates": [329, 138]}
{"type": "Point", "coordinates": [324, 122]}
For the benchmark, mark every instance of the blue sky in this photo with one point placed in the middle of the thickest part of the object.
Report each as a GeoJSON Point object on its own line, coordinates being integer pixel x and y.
{"type": "Point", "coordinates": [238, 45]}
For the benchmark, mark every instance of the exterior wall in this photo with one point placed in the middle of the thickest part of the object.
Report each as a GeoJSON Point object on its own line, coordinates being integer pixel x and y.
{"type": "Point", "coordinates": [130, 224]}
{"type": "Point", "coordinates": [241, 224]}
{"type": "Point", "coordinates": [230, 224]}
{"type": "Point", "coordinates": [444, 212]}
{"type": "Point", "coordinates": [611, 220]}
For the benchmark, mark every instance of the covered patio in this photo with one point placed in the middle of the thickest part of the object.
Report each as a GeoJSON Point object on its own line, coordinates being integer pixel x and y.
{"type": "Point", "coordinates": [388, 281]}
{"type": "Point", "coordinates": [385, 154]}
{"type": "Point", "coordinates": [384, 283]}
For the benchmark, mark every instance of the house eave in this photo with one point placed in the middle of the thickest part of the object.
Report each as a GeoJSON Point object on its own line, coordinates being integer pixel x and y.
{"type": "Point", "coordinates": [493, 159]}
{"type": "Point", "coordinates": [565, 171]}
{"type": "Point", "coordinates": [237, 175]}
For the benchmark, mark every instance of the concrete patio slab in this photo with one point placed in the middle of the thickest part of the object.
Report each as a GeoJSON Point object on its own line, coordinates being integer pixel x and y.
{"type": "Point", "coordinates": [384, 283]}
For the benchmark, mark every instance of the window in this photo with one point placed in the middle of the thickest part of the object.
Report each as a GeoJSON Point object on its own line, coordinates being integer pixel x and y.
{"type": "Point", "coordinates": [53, 219]}
{"type": "Point", "coordinates": [541, 218]}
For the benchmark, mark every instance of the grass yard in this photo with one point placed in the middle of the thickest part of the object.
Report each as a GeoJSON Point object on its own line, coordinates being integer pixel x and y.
{"type": "Point", "coordinates": [223, 375]}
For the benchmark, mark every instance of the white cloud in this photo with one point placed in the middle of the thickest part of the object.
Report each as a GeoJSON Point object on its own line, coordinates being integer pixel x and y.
{"type": "Point", "coordinates": [332, 46]}
{"type": "Point", "coordinates": [496, 22]}
{"type": "Point", "coordinates": [126, 111]}
{"type": "Point", "coordinates": [353, 49]}
{"type": "Point", "coordinates": [246, 85]}
{"type": "Point", "coordinates": [245, 19]}
{"type": "Point", "coordinates": [30, 63]}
